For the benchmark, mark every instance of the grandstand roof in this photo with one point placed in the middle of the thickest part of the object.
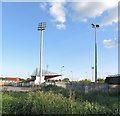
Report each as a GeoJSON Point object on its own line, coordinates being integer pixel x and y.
{"type": "Point", "coordinates": [47, 74]}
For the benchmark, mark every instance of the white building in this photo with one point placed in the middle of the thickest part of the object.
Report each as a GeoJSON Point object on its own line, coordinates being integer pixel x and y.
{"type": "Point", "coordinates": [45, 76]}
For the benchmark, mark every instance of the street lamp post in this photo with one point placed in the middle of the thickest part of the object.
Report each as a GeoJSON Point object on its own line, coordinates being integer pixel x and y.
{"type": "Point", "coordinates": [71, 74]}
{"type": "Point", "coordinates": [95, 27]}
{"type": "Point", "coordinates": [86, 75]}
{"type": "Point", "coordinates": [41, 28]}
{"type": "Point", "coordinates": [61, 72]}
{"type": "Point", "coordinates": [92, 74]}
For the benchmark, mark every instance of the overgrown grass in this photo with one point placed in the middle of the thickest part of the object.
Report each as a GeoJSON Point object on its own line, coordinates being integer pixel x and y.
{"type": "Point", "coordinates": [56, 100]}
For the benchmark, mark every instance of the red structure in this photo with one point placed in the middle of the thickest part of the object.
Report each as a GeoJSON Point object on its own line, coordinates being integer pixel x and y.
{"type": "Point", "coordinates": [16, 79]}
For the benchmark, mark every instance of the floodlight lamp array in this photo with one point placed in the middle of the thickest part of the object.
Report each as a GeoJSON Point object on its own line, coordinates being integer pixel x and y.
{"type": "Point", "coordinates": [41, 26]}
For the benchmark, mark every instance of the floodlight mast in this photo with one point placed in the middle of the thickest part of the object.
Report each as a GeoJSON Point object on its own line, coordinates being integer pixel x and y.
{"type": "Point", "coordinates": [41, 28]}
{"type": "Point", "coordinates": [95, 27]}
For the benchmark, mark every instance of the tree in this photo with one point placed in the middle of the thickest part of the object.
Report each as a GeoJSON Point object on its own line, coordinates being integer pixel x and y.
{"type": "Point", "coordinates": [100, 80]}
{"type": "Point", "coordinates": [66, 80]}
{"type": "Point", "coordinates": [85, 81]}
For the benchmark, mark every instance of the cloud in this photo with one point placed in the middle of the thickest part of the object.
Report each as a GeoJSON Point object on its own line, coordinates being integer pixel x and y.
{"type": "Point", "coordinates": [61, 26]}
{"type": "Point", "coordinates": [85, 10]}
{"type": "Point", "coordinates": [57, 11]}
{"type": "Point", "coordinates": [82, 11]}
{"type": "Point", "coordinates": [111, 18]}
{"type": "Point", "coordinates": [43, 6]}
{"type": "Point", "coordinates": [109, 43]}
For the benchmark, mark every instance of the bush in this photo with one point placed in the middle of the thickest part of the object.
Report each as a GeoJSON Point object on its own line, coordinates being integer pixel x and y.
{"type": "Point", "coordinates": [56, 100]}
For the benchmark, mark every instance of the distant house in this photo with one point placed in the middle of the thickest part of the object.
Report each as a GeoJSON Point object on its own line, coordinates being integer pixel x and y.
{"type": "Point", "coordinates": [9, 80]}
{"type": "Point", "coordinates": [113, 79]}
{"type": "Point", "coordinates": [12, 79]}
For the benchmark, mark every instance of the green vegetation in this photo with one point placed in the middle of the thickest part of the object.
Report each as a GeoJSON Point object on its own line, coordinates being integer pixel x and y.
{"type": "Point", "coordinates": [57, 100]}
{"type": "Point", "coordinates": [85, 81]}
{"type": "Point", "coordinates": [100, 80]}
{"type": "Point", "coordinates": [66, 80]}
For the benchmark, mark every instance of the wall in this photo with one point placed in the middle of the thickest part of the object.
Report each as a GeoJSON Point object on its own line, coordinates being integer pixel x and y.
{"type": "Point", "coordinates": [93, 87]}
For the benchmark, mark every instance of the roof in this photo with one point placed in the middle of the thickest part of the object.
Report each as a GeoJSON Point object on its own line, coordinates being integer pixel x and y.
{"type": "Point", "coordinates": [44, 73]}
{"type": "Point", "coordinates": [12, 78]}
{"type": "Point", "coordinates": [116, 75]}
{"type": "Point", "coordinates": [51, 76]}
{"type": "Point", "coordinates": [47, 74]}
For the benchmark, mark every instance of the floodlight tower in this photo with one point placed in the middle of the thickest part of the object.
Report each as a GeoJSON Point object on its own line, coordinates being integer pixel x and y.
{"type": "Point", "coordinates": [41, 28]}
{"type": "Point", "coordinates": [95, 27]}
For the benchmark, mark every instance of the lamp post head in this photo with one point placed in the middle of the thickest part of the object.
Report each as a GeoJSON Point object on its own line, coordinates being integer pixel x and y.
{"type": "Point", "coordinates": [41, 26]}
{"type": "Point", "coordinates": [93, 26]}
{"type": "Point", "coordinates": [97, 26]}
{"type": "Point", "coordinates": [92, 67]}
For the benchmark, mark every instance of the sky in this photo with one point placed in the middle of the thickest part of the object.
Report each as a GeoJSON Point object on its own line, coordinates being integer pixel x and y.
{"type": "Point", "coordinates": [68, 39]}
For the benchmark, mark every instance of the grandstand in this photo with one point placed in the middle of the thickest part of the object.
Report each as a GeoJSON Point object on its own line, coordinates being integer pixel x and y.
{"type": "Point", "coordinates": [113, 79]}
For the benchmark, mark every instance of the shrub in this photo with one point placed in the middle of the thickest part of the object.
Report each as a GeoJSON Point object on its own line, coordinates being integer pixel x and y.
{"type": "Point", "coordinates": [56, 100]}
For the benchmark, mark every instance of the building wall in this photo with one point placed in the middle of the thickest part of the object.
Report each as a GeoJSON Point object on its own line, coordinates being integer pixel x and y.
{"type": "Point", "coordinates": [113, 80]}
{"type": "Point", "coordinates": [37, 81]}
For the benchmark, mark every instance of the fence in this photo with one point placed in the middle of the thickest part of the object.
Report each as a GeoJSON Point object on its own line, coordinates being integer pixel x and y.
{"type": "Point", "coordinates": [93, 87]}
